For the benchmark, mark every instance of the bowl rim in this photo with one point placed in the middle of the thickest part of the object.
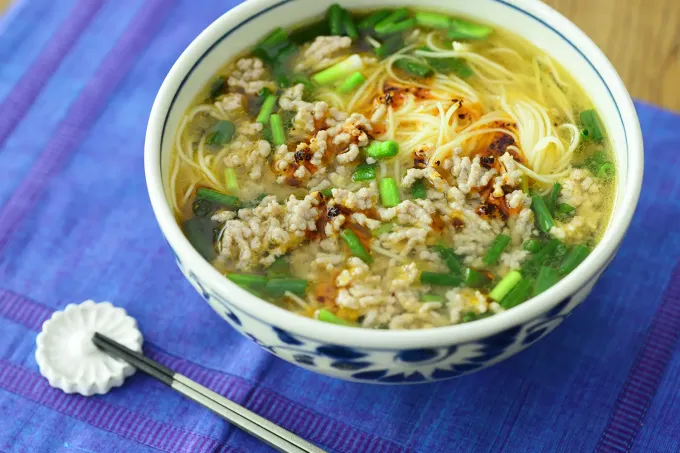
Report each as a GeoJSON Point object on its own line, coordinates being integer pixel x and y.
{"type": "Point", "coordinates": [371, 339]}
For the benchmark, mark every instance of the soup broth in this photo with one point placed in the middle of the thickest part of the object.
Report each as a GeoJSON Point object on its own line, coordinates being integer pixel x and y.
{"type": "Point", "coordinates": [393, 169]}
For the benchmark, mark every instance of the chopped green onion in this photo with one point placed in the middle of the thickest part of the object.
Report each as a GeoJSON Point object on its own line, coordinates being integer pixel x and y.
{"type": "Point", "coordinates": [543, 218]}
{"type": "Point", "coordinates": [372, 19]}
{"type": "Point", "coordinates": [564, 208]}
{"type": "Point", "coordinates": [595, 161]}
{"type": "Point", "coordinates": [418, 189]}
{"type": "Point", "coordinates": [279, 268]}
{"type": "Point", "coordinates": [339, 71]}
{"type": "Point", "coordinates": [395, 27]}
{"type": "Point", "coordinates": [497, 247]}
{"type": "Point", "coordinates": [217, 87]}
{"type": "Point", "coordinates": [532, 245]}
{"type": "Point", "coordinates": [220, 133]}
{"type": "Point", "coordinates": [231, 179]}
{"type": "Point", "coordinates": [475, 279]}
{"type": "Point", "coordinates": [287, 51]}
{"type": "Point", "coordinates": [287, 117]}
{"type": "Point", "coordinates": [547, 277]}
{"type": "Point", "coordinates": [432, 20]}
{"type": "Point", "coordinates": [327, 192]}
{"type": "Point", "coordinates": [364, 172]}
{"type": "Point", "coordinates": [472, 316]}
{"type": "Point", "coordinates": [326, 316]}
{"type": "Point", "coordinates": [255, 201]}
{"type": "Point", "coordinates": [354, 81]}
{"type": "Point", "coordinates": [555, 194]}
{"type": "Point", "coordinates": [606, 171]}
{"type": "Point", "coordinates": [551, 199]}
{"type": "Point", "coordinates": [278, 134]}
{"type": "Point", "coordinates": [389, 46]}
{"type": "Point", "coordinates": [575, 257]}
{"type": "Point", "coordinates": [414, 67]}
{"type": "Point", "coordinates": [303, 79]}
{"type": "Point", "coordinates": [546, 252]}
{"type": "Point", "coordinates": [277, 36]}
{"type": "Point", "coordinates": [228, 201]}
{"type": "Point", "coordinates": [282, 79]}
{"type": "Point", "coordinates": [452, 64]}
{"type": "Point", "coordinates": [275, 287]}
{"type": "Point", "coordinates": [598, 164]}
{"type": "Point", "coordinates": [440, 279]}
{"type": "Point", "coordinates": [591, 126]}
{"type": "Point", "coordinates": [525, 184]}
{"type": "Point", "coordinates": [432, 298]}
{"type": "Point", "coordinates": [266, 109]}
{"type": "Point", "coordinates": [350, 28]}
{"type": "Point", "coordinates": [517, 295]}
{"type": "Point", "coordinates": [248, 280]}
{"type": "Point", "coordinates": [202, 208]}
{"type": "Point", "coordinates": [199, 232]}
{"type": "Point", "coordinates": [264, 92]}
{"type": "Point", "coordinates": [557, 256]}
{"type": "Point", "coordinates": [381, 150]}
{"type": "Point", "coordinates": [389, 192]}
{"type": "Point", "coordinates": [384, 228]}
{"type": "Point", "coordinates": [505, 285]}
{"type": "Point", "coordinates": [463, 30]}
{"type": "Point", "coordinates": [309, 32]}
{"type": "Point", "coordinates": [270, 47]}
{"type": "Point", "coordinates": [392, 18]}
{"type": "Point", "coordinates": [355, 245]}
{"type": "Point", "coordinates": [335, 13]}
{"type": "Point", "coordinates": [449, 257]}
{"type": "Point", "coordinates": [285, 79]}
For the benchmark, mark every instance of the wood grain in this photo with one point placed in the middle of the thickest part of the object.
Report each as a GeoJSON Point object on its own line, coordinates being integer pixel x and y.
{"type": "Point", "coordinates": [640, 37]}
{"type": "Point", "coordinates": [4, 4]}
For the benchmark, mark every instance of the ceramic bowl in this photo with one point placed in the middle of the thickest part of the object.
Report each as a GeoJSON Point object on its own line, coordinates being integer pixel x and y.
{"type": "Point", "coordinates": [383, 356]}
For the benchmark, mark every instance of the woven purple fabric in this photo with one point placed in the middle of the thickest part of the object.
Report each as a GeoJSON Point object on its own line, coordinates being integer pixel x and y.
{"type": "Point", "coordinates": [75, 224]}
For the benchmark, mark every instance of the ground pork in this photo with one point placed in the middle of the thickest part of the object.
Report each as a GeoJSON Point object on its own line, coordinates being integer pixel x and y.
{"type": "Point", "coordinates": [361, 200]}
{"type": "Point", "coordinates": [354, 129]}
{"type": "Point", "coordinates": [404, 240]}
{"type": "Point", "coordinates": [323, 52]}
{"type": "Point", "coordinates": [251, 76]}
{"type": "Point", "coordinates": [306, 113]}
{"type": "Point", "coordinates": [230, 103]}
{"type": "Point", "coordinates": [470, 174]}
{"type": "Point", "coordinates": [255, 236]}
{"type": "Point", "coordinates": [579, 188]}
{"type": "Point", "coordinates": [581, 191]}
{"type": "Point", "coordinates": [409, 212]}
{"type": "Point", "coordinates": [465, 300]}
{"type": "Point", "coordinates": [391, 301]}
{"type": "Point", "coordinates": [517, 199]}
{"type": "Point", "coordinates": [301, 215]}
{"type": "Point", "coordinates": [429, 173]}
{"type": "Point", "coordinates": [246, 150]}
{"type": "Point", "coordinates": [522, 226]}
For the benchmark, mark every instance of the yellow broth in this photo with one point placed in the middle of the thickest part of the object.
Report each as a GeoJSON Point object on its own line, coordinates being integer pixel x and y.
{"type": "Point", "coordinates": [496, 105]}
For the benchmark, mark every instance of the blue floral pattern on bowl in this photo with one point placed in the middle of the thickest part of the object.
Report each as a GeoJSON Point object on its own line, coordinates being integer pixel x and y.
{"type": "Point", "coordinates": [388, 366]}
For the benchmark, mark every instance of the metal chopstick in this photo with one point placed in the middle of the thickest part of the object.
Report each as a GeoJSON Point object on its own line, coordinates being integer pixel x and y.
{"type": "Point", "coordinates": [263, 429]}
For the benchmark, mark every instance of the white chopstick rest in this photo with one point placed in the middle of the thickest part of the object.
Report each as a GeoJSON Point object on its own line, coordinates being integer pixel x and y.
{"type": "Point", "coordinates": [70, 361]}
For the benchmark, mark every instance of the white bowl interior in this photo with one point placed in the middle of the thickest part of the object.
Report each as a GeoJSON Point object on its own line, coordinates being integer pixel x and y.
{"type": "Point", "coordinates": [234, 33]}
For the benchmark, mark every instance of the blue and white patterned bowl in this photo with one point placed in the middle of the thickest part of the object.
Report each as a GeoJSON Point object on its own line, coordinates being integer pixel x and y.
{"type": "Point", "coordinates": [383, 356]}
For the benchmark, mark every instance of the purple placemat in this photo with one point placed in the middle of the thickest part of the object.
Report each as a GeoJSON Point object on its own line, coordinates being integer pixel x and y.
{"type": "Point", "coordinates": [75, 223]}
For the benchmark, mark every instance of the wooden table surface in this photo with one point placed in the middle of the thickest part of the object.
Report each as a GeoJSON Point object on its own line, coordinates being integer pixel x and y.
{"type": "Point", "coordinates": [640, 37]}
